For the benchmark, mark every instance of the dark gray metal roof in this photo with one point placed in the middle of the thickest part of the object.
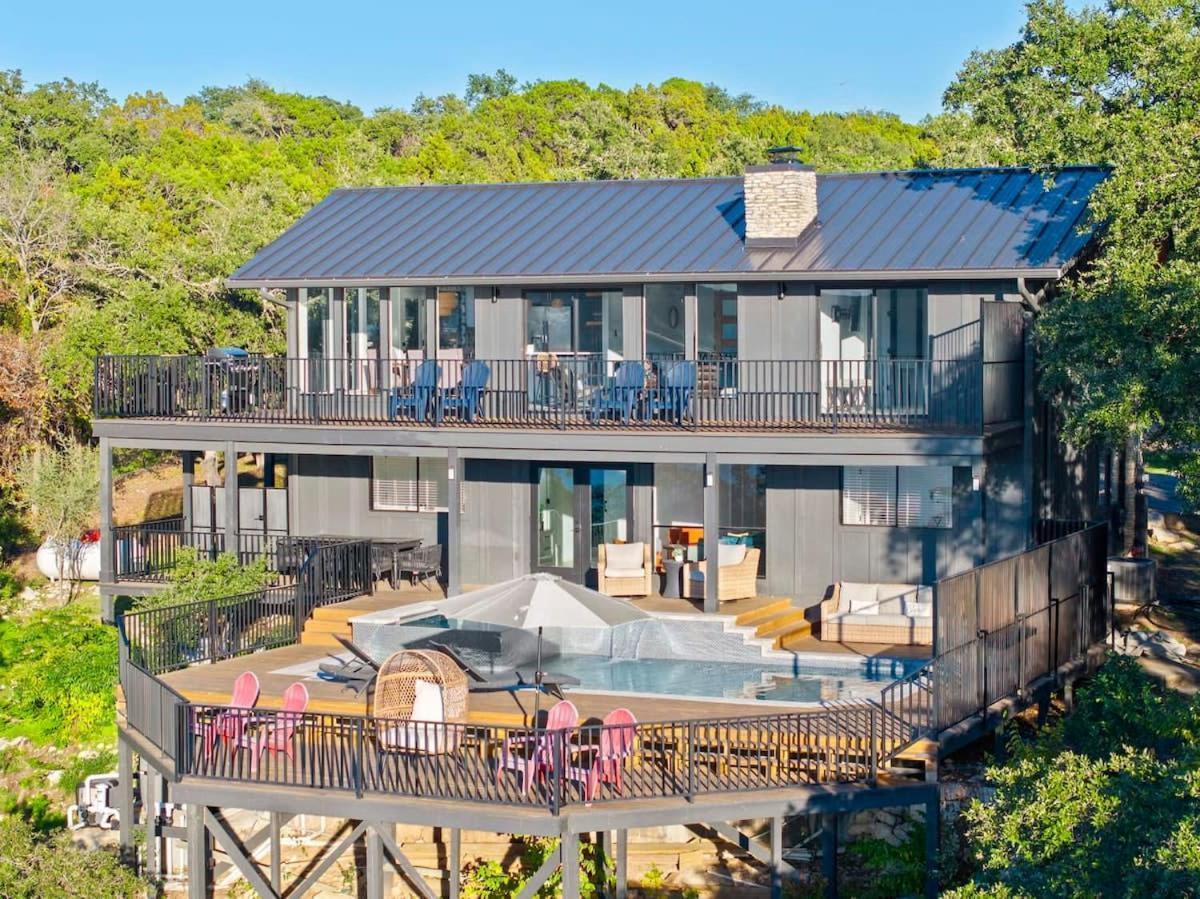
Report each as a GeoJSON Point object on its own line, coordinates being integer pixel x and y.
{"type": "Point", "coordinates": [949, 223]}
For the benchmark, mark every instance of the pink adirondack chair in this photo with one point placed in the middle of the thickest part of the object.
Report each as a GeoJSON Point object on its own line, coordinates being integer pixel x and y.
{"type": "Point", "coordinates": [280, 727]}
{"type": "Point", "coordinates": [229, 725]}
{"type": "Point", "coordinates": [516, 754]}
{"type": "Point", "coordinates": [616, 744]}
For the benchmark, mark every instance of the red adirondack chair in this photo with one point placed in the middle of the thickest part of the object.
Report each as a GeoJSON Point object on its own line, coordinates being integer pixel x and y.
{"type": "Point", "coordinates": [616, 744]}
{"type": "Point", "coordinates": [277, 733]}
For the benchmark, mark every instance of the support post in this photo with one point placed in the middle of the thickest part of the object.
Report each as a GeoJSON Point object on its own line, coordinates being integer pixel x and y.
{"type": "Point", "coordinates": [933, 836]}
{"type": "Point", "coordinates": [569, 848]}
{"type": "Point", "coordinates": [601, 841]}
{"type": "Point", "coordinates": [829, 860]}
{"type": "Point", "coordinates": [454, 863]}
{"type": "Point", "coordinates": [125, 800]}
{"type": "Point", "coordinates": [107, 547]}
{"type": "Point", "coordinates": [277, 852]}
{"type": "Point", "coordinates": [374, 864]}
{"type": "Point", "coordinates": [199, 854]}
{"type": "Point", "coordinates": [622, 865]}
{"type": "Point", "coordinates": [712, 533]}
{"type": "Point", "coordinates": [189, 480]}
{"type": "Point", "coordinates": [231, 497]}
{"type": "Point", "coordinates": [151, 782]}
{"type": "Point", "coordinates": [453, 540]}
{"type": "Point", "coordinates": [777, 857]}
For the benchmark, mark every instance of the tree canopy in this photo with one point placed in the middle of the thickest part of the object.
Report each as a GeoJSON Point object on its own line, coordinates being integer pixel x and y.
{"type": "Point", "coordinates": [1117, 84]}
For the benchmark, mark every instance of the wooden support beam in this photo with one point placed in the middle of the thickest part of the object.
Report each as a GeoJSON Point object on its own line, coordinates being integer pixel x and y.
{"type": "Point", "coordinates": [569, 849]}
{"type": "Point", "coordinates": [325, 859]}
{"type": "Point", "coordinates": [829, 859]}
{"type": "Point", "coordinates": [622, 864]}
{"type": "Point", "coordinates": [151, 784]}
{"type": "Point", "coordinates": [602, 854]}
{"type": "Point", "coordinates": [730, 833]}
{"type": "Point", "coordinates": [125, 801]}
{"type": "Point", "coordinates": [454, 471]}
{"type": "Point", "coordinates": [374, 872]}
{"type": "Point", "coordinates": [712, 533]}
{"type": "Point", "coordinates": [406, 868]}
{"type": "Point", "coordinates": [777, 857]}
{"type": "Point", "coordinates": [276, 831]}
{"type": "Point", "coordinates": [199, 854]}
{"type": "Point", "coordinates": [228, 840]}
{"type": "Point", "coordinates": [454, 862]}
{"type": "Point", "coordinates": [230, 524]}
{"type": "Point", "coordinates": [539, 878]}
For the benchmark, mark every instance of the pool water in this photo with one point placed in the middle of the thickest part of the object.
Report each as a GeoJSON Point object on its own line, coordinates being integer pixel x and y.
{"type": "Point", "coordinates": [800, 682]}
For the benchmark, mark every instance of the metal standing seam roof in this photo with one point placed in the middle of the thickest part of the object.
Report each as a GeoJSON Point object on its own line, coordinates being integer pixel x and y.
{"type": "Point", "coordinates": [998, 222]}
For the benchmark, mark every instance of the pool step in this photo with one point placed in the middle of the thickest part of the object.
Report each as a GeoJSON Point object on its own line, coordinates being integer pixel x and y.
{"type": "Point", "coordinates": [754, 617]}
{"type": "Point", "coordinates": [792, 639]}
{"type": "Point", "coordinates": [318, 638]}
{"type": "Point", "coordinates": [783, 623]}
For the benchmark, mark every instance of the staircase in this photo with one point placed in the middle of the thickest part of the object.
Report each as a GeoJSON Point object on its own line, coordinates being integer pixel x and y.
{"type": "Point", "coordinates": [326, 622]}
{"type": "Point", "coordinates": [779, 625]}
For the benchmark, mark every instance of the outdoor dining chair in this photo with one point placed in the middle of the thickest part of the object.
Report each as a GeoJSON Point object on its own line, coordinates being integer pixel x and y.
{"type": "Point", "coordinates": [416, 400]}
{"type": "Point", "coordinates": [617, 737]}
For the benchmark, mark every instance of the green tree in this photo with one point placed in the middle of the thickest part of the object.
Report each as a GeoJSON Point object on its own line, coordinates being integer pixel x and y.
{"type": "Point", "coordinates": [60, 490]}
{"type": "Point", "coordinates": [36, 867]}
{"type": "Point", "coordinates": [1118, 84]}
{"type": "Point", "coordinates": [197, 577]}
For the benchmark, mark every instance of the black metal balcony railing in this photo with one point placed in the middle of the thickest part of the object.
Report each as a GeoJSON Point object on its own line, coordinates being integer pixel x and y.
{"type": "Point", "coordinates": [551, 391]}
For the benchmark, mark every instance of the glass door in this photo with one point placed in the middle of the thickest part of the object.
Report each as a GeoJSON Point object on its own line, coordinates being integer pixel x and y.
{"type": "Point", "coordinates": [577, 508]}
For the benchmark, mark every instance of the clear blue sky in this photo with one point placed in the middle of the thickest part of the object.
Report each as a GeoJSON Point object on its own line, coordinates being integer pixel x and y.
{"type": "Point", "coordinates": [832, 55]}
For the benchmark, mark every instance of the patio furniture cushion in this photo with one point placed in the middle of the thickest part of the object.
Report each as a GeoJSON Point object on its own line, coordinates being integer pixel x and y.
{"type": "Point", "coordinates": [862, 606]}
{"type": "Point", "coordinates": [427, 706]}
{"type": "Point", "coordinates": [624, 559]}
{"type": "Point", "coordinates": [730, 553]}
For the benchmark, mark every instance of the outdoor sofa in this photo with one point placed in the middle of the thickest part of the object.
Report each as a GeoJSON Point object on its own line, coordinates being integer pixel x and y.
{"type": "Point", "coordinates": [895, 614]}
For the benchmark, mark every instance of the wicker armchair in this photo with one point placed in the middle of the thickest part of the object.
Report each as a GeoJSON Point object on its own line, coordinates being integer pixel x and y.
{"type": "Point", "coordinates": [420, 702]}
{"type": "Point", "coordinates": [624, 577]}
{"type": "Point", "coordinates": [738, 580]}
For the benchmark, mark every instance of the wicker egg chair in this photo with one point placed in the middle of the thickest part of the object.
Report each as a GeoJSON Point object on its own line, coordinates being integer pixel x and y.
{"type": "Point", "coordinates": [396, 695]}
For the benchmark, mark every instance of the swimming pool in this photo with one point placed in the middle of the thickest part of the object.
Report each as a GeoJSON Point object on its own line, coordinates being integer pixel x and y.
{"type": "Point", "coordinates": [804, 681]}
{"type": "Point", "coordinates": [689, 657]}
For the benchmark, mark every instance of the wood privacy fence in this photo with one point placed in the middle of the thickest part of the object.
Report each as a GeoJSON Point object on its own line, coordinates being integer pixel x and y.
{"type": "Point", "coordinates": [1000, 627]}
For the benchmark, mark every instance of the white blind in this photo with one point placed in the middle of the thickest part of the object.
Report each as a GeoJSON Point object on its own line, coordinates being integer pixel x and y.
{"type": "Point", "coordinates": [869, 494]}
{"type": "Point", "coordinates": [409, 484]}
{"type": "Point", "coordinates": [924, 496]}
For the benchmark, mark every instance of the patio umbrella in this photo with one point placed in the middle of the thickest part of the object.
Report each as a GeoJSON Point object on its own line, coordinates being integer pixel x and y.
{"type": "Point", "coordinates": [540, 600]}
{"type": "Point", "coordinates": [540, 603]}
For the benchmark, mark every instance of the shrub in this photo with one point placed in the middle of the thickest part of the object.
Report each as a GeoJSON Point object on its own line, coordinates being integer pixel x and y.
{"type": "Point", "coordinates": [1106, 802]}
{"type": "Point", "coordinates": [37, 867]}
{"type": "Point", "coordinates": [197, 577]}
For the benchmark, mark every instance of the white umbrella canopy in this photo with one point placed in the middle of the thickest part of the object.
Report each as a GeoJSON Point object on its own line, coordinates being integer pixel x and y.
{"type": "Point", "coordinates": [540, 600]}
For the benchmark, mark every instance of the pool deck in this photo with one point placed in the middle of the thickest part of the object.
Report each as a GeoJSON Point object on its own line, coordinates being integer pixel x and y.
{"type": "Point", "coordinates": [276, 669]}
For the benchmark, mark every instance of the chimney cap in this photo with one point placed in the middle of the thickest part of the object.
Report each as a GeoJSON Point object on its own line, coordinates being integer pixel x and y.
{"type": "Point", "coordinates": [787, 154]}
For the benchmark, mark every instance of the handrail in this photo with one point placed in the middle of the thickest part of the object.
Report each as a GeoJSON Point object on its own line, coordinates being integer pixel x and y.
{"type": "Point", "coordinates": [549, 390]}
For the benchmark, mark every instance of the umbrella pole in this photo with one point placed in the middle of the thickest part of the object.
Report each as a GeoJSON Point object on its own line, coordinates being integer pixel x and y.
{"type": "Point", "coordinates": [537, 681]}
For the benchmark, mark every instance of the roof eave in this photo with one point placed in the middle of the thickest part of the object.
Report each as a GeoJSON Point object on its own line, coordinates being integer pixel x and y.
{"type": "Point", "coordinates": [652, 277]}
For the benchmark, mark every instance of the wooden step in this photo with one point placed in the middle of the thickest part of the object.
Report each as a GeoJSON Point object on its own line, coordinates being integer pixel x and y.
{"type": "Point", "coordinates": [780, 624]}
{"type": "Point", "coordinates": [327, 626]}
{"type": "Point", "coordinates": [755, 616]}
{"type": "Point", "coordinates": [335, 613]}
{"type": "Point", "coordinates": [794, 640]}
{"type": "Point", "coordinates": [318, 639]}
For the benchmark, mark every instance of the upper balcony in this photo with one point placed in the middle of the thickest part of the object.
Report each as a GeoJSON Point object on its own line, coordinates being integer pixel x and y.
{"type": "Point", "coordinates": [564, 391]}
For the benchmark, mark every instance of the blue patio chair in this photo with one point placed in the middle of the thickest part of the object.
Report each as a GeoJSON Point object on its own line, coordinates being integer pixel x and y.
{"type": "Point", "coordinates": [465, 398]}
{"type": "Point", "coordinates": [417, 398]}
{"type": "Point", "coordinates": [621, 394]}
{"type": "Point", "coordinates": [672, 398]}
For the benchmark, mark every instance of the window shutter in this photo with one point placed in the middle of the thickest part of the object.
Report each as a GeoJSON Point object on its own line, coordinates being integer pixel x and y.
{"type": "Point", "coordinates": [394, 483]}
{"type": "Point", "coordinates": [925, 496]}
{"type": "Point", "coordinates": [869, 495]}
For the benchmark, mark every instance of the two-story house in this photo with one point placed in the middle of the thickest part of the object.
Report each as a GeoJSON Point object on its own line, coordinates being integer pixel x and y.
{"type": "Point", "coordinates": [833, 368]}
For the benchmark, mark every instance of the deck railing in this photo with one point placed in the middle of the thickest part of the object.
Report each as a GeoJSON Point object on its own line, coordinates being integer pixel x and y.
{"type": "Point", "coordinates": [551, 391]}
{"type": "Point", "coordinates": [322, 571]}
{"type": "Point", "coordinates": [522, 766]}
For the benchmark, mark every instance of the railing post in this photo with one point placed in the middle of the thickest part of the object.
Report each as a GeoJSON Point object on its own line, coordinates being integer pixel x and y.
{"type": "Point", "coordinates": [691, 761]}
{"type": "Point", "coordinates": [557, 747]}
{"type": "Point", "coordinates": [359, 755]}
{"type": "Point", "coordinates": [874, 712]}
{"type": "Point", "coordinates": [212, 631]}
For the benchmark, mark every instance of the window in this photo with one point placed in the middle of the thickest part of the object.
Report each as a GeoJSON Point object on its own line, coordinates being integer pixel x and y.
{"type": "Point", "coordinates": [717, 325]}
{"type": "Point", "coordinates": [456, 321]}
{"type": "Point", "coordinates": [409, 484]}
{"type": "Point", "coordinates": [408, 320]}
{"type": "Point", "coordinates": [315, 302]}
{"type": "Point", "coordinates": [742, 495]}
{"type": "Point", "coordinates": [574, 321]}
{"type": "Point", "coordinates": [665, 334]}
{"type": "Point", "coordinates": [908, 496]}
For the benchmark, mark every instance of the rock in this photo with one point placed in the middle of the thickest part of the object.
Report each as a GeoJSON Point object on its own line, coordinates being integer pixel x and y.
{"type": "Point", "coordinates": [53, 777]}
{"type": "Point", "coordinates": [90, 754]}
{"type": "Point", "coordinates": [13, 743]}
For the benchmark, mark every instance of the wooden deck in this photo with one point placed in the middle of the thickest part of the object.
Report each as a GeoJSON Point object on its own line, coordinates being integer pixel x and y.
{"type": "Point", "coordinates": [278, 668]}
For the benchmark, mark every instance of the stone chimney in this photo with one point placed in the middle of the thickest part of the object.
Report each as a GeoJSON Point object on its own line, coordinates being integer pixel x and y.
{"type": "Point", "coordinates": [781, 200]}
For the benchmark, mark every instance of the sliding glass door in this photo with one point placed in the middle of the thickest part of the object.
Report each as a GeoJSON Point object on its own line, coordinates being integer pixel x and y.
{"type": "Point", "coordinates": [576, 509]}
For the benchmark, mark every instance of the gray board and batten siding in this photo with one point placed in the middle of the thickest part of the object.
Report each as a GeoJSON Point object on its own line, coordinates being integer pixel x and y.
{"type": "Point", "coordinates": [990, 223]}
